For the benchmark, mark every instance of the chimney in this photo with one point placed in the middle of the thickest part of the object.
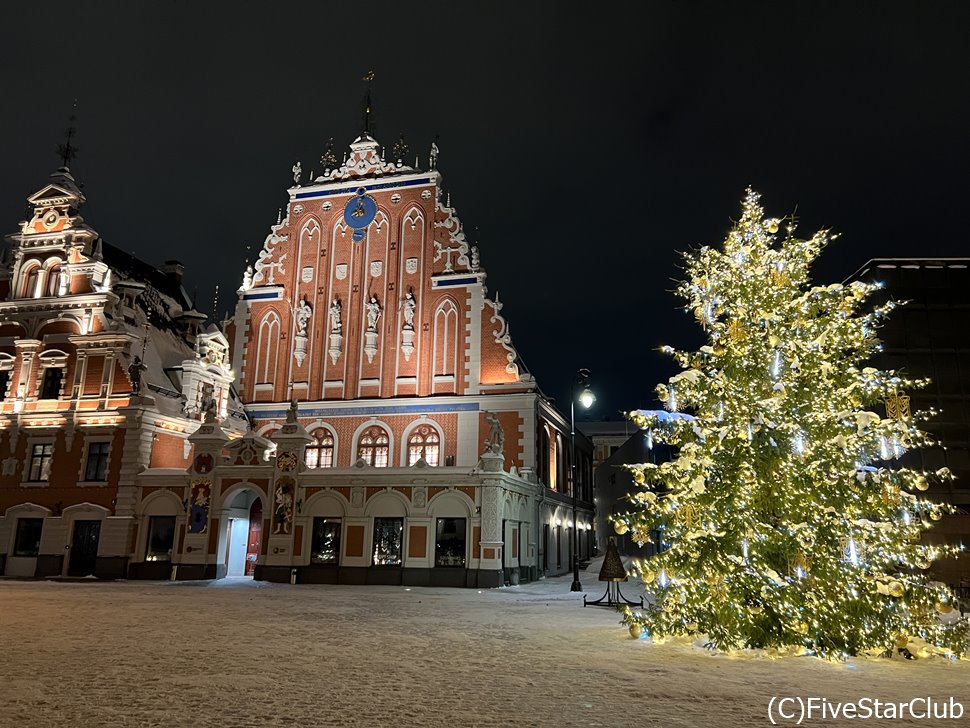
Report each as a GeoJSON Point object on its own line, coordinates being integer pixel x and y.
{"type": "Point", "coordinates": [174, 270]}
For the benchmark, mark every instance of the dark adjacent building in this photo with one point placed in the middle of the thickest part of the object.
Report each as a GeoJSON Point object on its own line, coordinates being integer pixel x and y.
{"type": "Point", "coordinates": [930, 337]}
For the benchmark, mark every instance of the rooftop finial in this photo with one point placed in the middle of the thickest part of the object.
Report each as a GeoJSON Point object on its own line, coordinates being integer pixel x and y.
{"type": "Point", "coordinates": [68, 151]}
{"type": "Point", "coordinates": [368, 78]}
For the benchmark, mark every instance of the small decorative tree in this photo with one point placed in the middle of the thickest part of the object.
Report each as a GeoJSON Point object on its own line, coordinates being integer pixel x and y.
{"type": "Point", "coordinates": [786, 518]}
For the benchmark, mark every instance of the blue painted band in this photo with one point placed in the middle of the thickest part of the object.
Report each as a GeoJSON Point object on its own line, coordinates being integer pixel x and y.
{"type": "Point", "coordinates": [369, 188]}
{"type": "Point", "coordinates": [392, 409]}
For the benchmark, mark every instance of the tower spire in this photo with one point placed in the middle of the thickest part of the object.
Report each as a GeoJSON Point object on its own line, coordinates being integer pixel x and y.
{"type": "Point", "coordinates": [368, 78]}
{"type": "Point", "coordinates": [67, 151]}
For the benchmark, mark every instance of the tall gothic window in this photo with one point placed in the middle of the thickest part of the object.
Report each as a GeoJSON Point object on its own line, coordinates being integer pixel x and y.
{"type": "Point", "coordinates": [424, 443]}
{"type": "Point", "coordinates": [373, 446]}
{"type": "Point", "coordinates": [319, 453]}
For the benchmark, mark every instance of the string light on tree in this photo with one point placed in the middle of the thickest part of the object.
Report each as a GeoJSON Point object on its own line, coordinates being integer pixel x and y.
{"type": "Point", "coordinates": [787, 519]}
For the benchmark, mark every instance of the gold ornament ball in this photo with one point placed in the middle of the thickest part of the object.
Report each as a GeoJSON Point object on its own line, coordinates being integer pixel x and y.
{"type": "Point", "coordinates": [902, 640]}
{"type": "Point", "coordinates": [922, 562]}
{"type": "Point", "coordinates": [801, 628]}
{"type": "Point", "coordinates": [772, 226]}
{"type": "Point", "coordinates": [755, 608]}
{"type": "Point", "coordinates": [943, 607]}
{"type": "Point", "coordinates": [649, 576]}
{"type": "Point", "coordinates": [636, 631]}
{"type": "Point", "coordinates": [896, 589]}
{"type": "Point", "coordinates": [921, 484]}
{"type": "Point", "coordinates": [935, 515]}
{"type": "Point", "coordinates": [620, 527]}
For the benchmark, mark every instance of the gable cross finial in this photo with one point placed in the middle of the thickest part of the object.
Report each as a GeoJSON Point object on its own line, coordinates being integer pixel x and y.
{"type": "Point", "coordinates": [368, 78]}
{"type": "Point", "coordinates": [68, 151]}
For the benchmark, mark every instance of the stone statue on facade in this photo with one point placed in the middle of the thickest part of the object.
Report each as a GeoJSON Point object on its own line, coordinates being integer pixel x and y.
{"type": "Point", "coordinates": [335, 323]}
{"type": "Point", "coordinates": [476, 262]}
{"type": "Point", "coordinates": [297, 173]}
{"type": "Point", "coordinates": [495, 442]}
{"type": "Point", "coordinates": [373, 313]}
{"type": "Point", "coordinates": [303, 314]}
{"type": "Point", "coordinates": [134, 374]}
{"type": "Point", "coordinates": [410, 304]}
{"type": "Point", "coordinates": [293, 412]}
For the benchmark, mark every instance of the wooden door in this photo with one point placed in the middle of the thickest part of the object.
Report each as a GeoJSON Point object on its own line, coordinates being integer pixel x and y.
{"type": "Point", "coordinates": [84, 548]}
{"type": "Point", "coordinates": [255, 536]}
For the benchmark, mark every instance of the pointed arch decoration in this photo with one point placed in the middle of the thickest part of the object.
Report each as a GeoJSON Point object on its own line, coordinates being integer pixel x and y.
{"type": "Point", "coordinates": [267, 347]}
{"type": "Point", "coordinates": [446, 339]}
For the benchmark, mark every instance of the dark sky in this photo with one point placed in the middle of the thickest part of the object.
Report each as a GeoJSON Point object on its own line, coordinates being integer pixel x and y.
{"type": "Point", "coordinates": [587, 143]}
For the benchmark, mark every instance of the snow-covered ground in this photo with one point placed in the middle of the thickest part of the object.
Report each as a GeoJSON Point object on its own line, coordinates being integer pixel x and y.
{"type": "Point", "coordinates": [243, 653]}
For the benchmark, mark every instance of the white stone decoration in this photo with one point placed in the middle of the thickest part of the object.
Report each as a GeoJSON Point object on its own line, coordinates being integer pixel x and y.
{"type": "Point", "coordinates": [395, 198]}
{"type": "Point", "coordinates": [341, 271]}
{"type": "Point", "coordinates": [297, 173]}
{"type": "Point", "coordinates": [336, 326]}
{"type": "Point", "coordinates": [247, 281]}
{"type": "Point", "coordinates": [364, 160]}
{"type": "Point", "coordinates": [303, 314]}
{"type": "Point", "coordinates": [503, 337]}
{"type": "Point", "coordinates": [407, 333]}
{"type": "Point", "coordinates": [307, 275]}
{"type": "Point", "coordinates": [326, 206]}
{"type": "Point", "coordinates": [426, 195]}
{"type": "Point", "coordinates": [457, 244]}
{"type": "Point", "coordinates": [374, 310]}
{"type": "Point", "coordinates": [266, 255]}
{"type": "Point", "coordinates": [376, 268]}
{"type": "Point", "coordinates": [297, 209]}
{"type": "Point", "coordinates": [411, 266]}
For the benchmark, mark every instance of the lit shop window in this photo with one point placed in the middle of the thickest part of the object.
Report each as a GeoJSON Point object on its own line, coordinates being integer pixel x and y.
{"type": "Point", "coordinates": [161, 537]}
{"type": "Point", "coordinates": [373, 447]}
{"type": "Point", "coordinates": [388, 541]}
{"type": "Point", "coordinates": [424, 443]}
{"type": "Point", "coordinates": [449, 547]}
{"type": "Point", "coordinates": [27, 542]}
{"type": "Point", "coordinates": [325, 545]}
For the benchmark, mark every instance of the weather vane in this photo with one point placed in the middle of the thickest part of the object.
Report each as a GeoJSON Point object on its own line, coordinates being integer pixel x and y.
{"type": "Point", "coordinates": [68, 151]}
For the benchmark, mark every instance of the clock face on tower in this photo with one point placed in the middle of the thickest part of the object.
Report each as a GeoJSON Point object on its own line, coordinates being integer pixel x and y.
{"type": "Point", "coordinates": [360, 212]}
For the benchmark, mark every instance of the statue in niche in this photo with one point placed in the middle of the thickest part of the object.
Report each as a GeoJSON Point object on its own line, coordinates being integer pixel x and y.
{"type": "Point", "coordinates": [303, 314]}
{"type": "Point", "coordinates": [373, 313]}
{"type": "Point", "coordinates": [495, 443]}
{"type": "Point", "coordinates": [410, 304]}
{"type": "Point", "coordinates": [284, 508]}
{"type": "Point", "coordinates": [335, 323]}
{"type": "Point", "coordinates": [134, 374]}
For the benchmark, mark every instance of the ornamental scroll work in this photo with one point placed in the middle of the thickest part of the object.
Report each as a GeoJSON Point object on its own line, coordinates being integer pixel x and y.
{"type": "Point", "coordinates": [897, 407]}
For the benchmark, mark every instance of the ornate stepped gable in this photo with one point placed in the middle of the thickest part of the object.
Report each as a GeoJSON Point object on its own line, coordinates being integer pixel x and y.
{"type": "Point", "coordinates": [120, 325]}
{"type": "Point", "coordinates": [367, 287]}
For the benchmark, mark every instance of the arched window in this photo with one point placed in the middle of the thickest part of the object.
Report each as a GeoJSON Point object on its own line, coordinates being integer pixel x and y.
{"type": "Point", "coordinates": [445, 339]}
{"type": "Point", "coordinates": [373, 446]}
{"type": "Point", "coordinates": [31, 280]}
{"type": "Point", "coordinates": [424, 442]}
{"type": "Point", "coordinates": [319, 453]}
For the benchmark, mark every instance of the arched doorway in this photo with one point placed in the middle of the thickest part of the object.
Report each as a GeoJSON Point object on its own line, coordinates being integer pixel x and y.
{"type": "Point", "coordinates": [243, 516]}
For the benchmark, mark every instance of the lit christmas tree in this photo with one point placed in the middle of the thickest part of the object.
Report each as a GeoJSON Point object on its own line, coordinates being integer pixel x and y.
{"type": "Point", "coordinates": [786, 520]}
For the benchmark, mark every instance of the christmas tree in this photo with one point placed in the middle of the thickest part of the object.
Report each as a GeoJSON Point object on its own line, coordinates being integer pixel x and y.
{"type": "Point", "coordinates": [786, 520]}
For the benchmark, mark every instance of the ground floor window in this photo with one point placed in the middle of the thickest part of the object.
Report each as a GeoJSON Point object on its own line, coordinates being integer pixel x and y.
{"type": "Point", "coordinates": [27, 542]}
{"type": "Point", "coordinates": [388, 541]}
{"type": "Point", "coordinates": [161, 538]}
{"type": "Point", "coordinates": [449, 547]}
{"type": "Point", "coordinates": [325, 543]}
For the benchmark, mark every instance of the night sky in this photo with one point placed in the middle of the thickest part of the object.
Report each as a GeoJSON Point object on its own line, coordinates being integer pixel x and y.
{"type": "Point", "coordinates": [586, 143]}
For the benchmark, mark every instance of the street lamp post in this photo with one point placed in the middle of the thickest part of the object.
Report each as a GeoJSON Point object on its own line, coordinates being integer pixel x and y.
{"type": "Point", "coordinates": [586, 398]}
